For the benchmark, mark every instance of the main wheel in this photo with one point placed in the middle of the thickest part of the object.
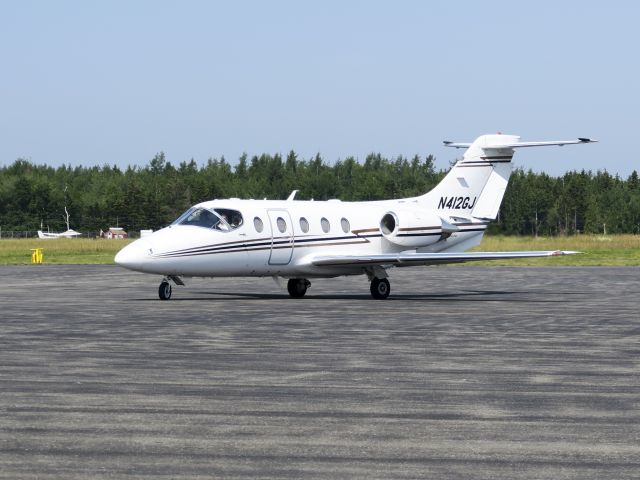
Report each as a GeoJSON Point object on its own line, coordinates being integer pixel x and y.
{"type": "Point", "coordinates": [297, 287]}
{"type": "Point", "coordinates": [380, 288]}
{"type": "Point", "coordinates": [164, 291]}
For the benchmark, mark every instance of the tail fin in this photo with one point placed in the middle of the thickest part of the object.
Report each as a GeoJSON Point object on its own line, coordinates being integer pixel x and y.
{"type": "Point", "coordinates": [474, 187]}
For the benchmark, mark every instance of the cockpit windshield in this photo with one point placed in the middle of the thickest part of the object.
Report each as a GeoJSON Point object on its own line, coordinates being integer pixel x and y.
{"type": "Point", "coordinates": [221, 219]}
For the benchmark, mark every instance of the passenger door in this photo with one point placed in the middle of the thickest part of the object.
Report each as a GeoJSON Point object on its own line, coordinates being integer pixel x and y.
{"type": "Point", "coordinates": [281, 237]}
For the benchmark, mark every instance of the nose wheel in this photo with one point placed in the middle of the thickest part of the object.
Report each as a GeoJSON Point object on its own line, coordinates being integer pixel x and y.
{"type": "Point", "coordinates": [380, 288]}
{"type": "Point", "coordinates": [164, 290]}
{"type": "Point", "coordinates": [297, 287]}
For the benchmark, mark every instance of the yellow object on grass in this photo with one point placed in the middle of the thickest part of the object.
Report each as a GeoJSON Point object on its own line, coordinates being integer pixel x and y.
{"type": "Point", "coordinates": [37, 255]}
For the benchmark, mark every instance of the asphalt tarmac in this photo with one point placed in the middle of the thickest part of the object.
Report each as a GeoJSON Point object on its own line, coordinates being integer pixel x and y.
{"type": "Point", "coordinates": [464, 372]}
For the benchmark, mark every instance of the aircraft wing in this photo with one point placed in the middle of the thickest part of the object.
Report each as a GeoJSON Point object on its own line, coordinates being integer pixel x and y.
{"type": "Point", "coordinates": [402, 259]}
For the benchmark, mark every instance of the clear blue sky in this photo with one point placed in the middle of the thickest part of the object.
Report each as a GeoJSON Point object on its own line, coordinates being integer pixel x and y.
{"type": "Point", "coordinates": [89, 83]}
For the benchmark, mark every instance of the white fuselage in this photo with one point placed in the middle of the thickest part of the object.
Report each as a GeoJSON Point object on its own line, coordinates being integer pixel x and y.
{"type": "Point", "coordinates": [282, 247]}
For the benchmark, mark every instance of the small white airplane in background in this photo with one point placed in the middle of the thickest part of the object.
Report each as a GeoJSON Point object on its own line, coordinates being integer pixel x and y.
{"type": "Point", "coordinates": [299, 240]}
{"type": "Point", "coordinates": [68, 233]}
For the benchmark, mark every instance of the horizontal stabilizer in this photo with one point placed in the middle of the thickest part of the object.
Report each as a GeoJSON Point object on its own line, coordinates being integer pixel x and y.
{"type": "Point", "coordinates": [428, 258]}
{"type": "Point", "coordinates": [540, 144]}
{"type": "Point", "coordinates": [521, 144]}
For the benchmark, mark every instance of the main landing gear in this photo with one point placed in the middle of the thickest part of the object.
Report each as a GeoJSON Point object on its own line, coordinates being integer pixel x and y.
{"type": "Point", "coordinates": [297, 287]}
{"type": "Point", "coordinates": [380, 288]}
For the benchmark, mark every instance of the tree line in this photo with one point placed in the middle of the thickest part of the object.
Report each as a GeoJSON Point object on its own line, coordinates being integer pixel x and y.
{"type": "Point", "coordinates": [152, 196]}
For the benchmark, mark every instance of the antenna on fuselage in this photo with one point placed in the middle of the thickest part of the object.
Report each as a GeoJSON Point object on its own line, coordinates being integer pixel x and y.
{"type": "Point", "coordinates": [292, 195]}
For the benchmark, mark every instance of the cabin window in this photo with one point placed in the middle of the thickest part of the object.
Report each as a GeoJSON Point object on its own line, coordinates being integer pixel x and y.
{"type": "Point", "coordinates": [325, 225]}
{"type": "Point", "coordinates": [257, 223]}
{"type": "Point", "coordinates": [282, 225]}
{"type": "Point", "coordinates": [304, 225]}
{"type": "Point", "coordinates": [345, 225]}
{"type": "Point", "coordinates": [232, 218]}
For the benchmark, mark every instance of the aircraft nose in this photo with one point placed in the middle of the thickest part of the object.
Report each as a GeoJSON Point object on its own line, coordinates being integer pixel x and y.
{"type": "Point", "coordinates": [132, 256]}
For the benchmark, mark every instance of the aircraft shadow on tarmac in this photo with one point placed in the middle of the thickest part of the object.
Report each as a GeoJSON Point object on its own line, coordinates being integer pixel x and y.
{"type": "Point", "coordinates": [464, 296]}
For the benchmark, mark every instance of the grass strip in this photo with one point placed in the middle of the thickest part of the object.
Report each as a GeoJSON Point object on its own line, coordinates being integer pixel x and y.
{"type": "Point", "coordinates": [612, 250]}
{"type": "Point", "coordinates": [60, 250]}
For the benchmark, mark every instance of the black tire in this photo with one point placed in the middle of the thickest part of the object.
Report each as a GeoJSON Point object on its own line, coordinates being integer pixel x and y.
{"type": "Point", "coordinates": [164, 291]}
{"type": "Point", "coordinates": [380, 288]}
{"type": "Point", "coordinates": [297, 287]}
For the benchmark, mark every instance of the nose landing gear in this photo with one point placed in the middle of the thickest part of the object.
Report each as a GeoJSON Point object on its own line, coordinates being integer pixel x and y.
{"type": "Point", "coordinates": [164, 290]}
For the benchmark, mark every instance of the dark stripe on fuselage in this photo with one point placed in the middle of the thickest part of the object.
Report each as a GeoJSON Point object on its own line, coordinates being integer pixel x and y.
{"type": "Point", "coordinates": [293, 242]}
{"type": "Point", "coordinates": [270, 241]}
{"type": "Point", "coordinates": [265, 244]}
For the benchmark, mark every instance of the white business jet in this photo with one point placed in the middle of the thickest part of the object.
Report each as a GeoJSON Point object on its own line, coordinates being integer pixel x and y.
{"type": "Point", "coordinates": [299, 240]}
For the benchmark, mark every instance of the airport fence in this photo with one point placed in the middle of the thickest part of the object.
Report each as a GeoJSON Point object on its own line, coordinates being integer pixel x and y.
{"type": "Point", "coordinates": [18, 233]}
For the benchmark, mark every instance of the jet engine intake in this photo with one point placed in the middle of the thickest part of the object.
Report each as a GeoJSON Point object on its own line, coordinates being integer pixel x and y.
{"type": "Point", "coordinates": [412, 229]}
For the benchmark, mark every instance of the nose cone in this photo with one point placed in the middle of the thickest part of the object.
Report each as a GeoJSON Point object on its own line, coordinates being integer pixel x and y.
{"type": "Point", "coordinates": [133, 255]}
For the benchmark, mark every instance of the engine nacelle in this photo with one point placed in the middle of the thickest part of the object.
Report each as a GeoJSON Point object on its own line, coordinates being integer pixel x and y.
{"type": "Point", "coordinates": [413, 229]}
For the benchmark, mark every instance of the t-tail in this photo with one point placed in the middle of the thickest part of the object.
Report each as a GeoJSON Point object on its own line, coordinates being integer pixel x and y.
{"type": "Point", "coordinates": [474, 187]}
